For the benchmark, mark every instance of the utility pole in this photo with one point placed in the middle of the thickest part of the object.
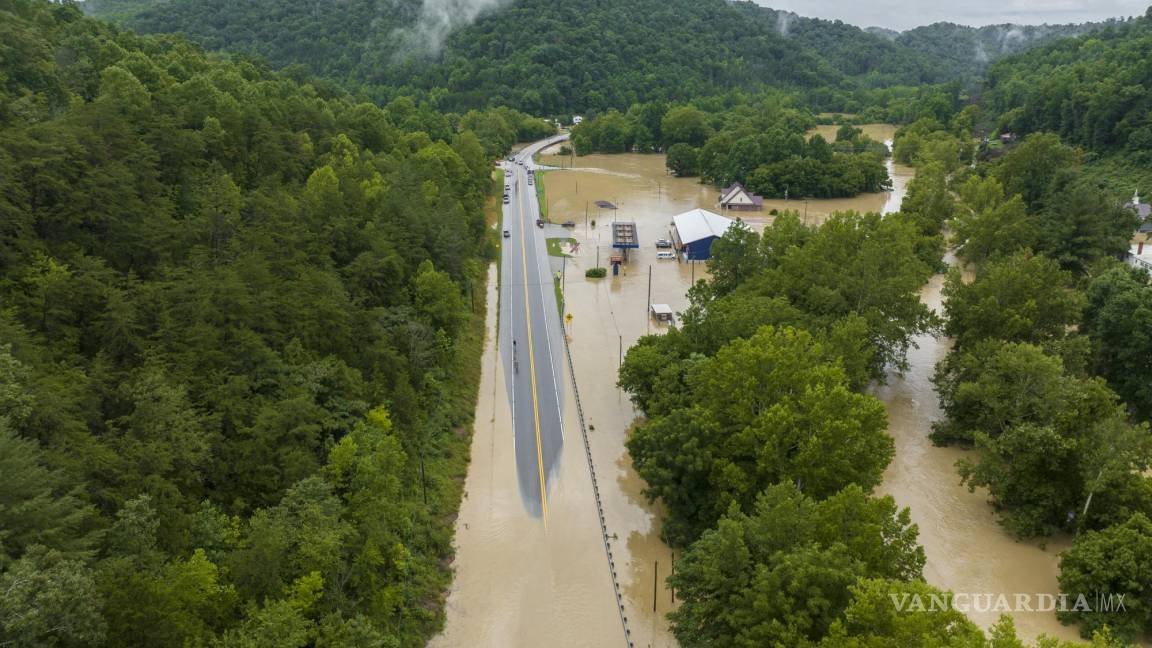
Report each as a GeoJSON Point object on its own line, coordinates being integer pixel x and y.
{"type": "Point", "coordinates": [648, 309]}
{"type": "Point", "coordinates": [655, 574]}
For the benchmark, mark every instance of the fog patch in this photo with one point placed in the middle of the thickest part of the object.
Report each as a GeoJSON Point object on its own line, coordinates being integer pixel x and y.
{"type": "Point", "coordinates": [436, 20]}
{"type": "Point", "coordinates": [784, 21]}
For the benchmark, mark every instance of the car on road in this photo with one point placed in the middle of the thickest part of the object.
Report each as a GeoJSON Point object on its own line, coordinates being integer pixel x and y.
{"type": "Point", "coordinates": [568, 223]}
{"type": "Point", "coordinates": [507, 234]}
{"type": "Point", "coordinates": [506, 200]}
{"type": "Point", "coordinates": [663, 243]}
{"type": "Point", "coordinates": [665, 254]}
{"type": "Point", "coordinates": [540, 223]}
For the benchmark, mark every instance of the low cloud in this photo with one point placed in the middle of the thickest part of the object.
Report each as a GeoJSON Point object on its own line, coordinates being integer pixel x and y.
{"type": "Point", "coordinates": [906, 14]}
{"type": "Point", "coordinates": [438, 19]}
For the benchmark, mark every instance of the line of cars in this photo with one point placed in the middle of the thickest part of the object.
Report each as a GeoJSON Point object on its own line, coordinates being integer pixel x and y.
{"type": "Point", "coordinates": [507, 200]}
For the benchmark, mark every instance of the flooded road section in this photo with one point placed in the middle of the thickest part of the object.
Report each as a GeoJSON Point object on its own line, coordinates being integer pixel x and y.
{"type": "Point", "coordinates": [517, 582]}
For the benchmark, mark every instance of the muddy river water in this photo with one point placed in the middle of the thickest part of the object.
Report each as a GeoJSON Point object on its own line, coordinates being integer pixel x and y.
{"type": "Point", "coordinates": [519, 584]}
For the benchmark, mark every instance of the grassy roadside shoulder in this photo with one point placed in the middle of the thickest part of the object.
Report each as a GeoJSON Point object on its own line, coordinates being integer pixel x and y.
{"type": "Point", "coordinates": [540, 197]}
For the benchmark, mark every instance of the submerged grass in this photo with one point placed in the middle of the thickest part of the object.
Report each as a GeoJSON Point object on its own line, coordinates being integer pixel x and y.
{"type": "Point", "coordinates": [554, 248]}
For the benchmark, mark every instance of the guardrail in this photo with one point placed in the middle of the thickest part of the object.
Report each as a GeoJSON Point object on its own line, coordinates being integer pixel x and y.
{"type": "Point", "coordinates": [596, 492]}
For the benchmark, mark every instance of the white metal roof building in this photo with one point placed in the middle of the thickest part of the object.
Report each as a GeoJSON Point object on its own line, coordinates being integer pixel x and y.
{"type": "Point", "coordinates": [693, 232]}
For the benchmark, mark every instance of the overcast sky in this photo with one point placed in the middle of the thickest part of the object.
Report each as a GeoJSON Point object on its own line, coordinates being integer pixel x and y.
{"type": "Point", "coordinates": [905, 14]}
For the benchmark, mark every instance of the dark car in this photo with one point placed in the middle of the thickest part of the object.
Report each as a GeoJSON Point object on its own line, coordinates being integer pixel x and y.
{"type": "Point", "coordinates": [568, 223]}
{"type": "Point", "coordinates": [507, 234]}
{"type": "Point", "coordinates": [540, 222]}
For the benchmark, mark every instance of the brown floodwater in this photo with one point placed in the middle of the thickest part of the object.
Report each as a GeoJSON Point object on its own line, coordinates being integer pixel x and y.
{"type": "Point", "coordinates": [649, 175]}
{"type": "Point", "coordinates": [518, 584]}
{"type": "Point", "coordinates": [966, 548]}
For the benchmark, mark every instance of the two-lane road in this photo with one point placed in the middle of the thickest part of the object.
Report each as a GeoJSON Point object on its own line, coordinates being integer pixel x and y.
{"type": "Point", "coordinates": [530, 333]}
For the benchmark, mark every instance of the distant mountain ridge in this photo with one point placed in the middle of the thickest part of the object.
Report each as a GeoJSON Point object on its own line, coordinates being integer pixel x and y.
{"type": "Point", "coordinates": [965, 52]}
{"type": "Point", "coordinates": [543, 56]}
{"type": "Point", "coordinates": [548, 57]}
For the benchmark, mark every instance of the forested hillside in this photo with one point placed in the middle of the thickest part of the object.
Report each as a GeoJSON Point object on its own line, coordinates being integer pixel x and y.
{"type": "Point", "coordinates": [238, 345]}
{"type": "Point", "coordinates": [965, 52]}
{"type": "Point", "coordinates": [545, 57]}
{"type": "Point", "coordinates": [1094, 91]}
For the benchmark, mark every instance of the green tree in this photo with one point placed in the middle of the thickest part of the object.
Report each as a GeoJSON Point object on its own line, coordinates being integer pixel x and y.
{"type": "Point", "coordinates": [784, 571]}
{"type": "Point", "coordinates": [995, 232]}
{"type": "Point", "coordinates": [685, 125]}
{"type": "Point", "coordinates": [1081, 224]}
{"type": "Point", "coordinates": [437, 298]}
{"type": "Point", "coordinates": [1116, 561]}
{"type": "Point", "coordinates": [735, 258]}
{"type": "Point", "coordinates": [994, 386]}
{"type": "Point", "coordinates": [854, 265]}
{"type": "Point", "coordinates": [1032, 475]}
{"type": "Point", "coordinates": [1022, 298]}
{"type": "Point", "coordinates": [886, 612]}
{"type": "Point", "coordinates": [681, 160]}
{"type": "Point", "coordinates": [1032, 168]}
{"type": "Point", "coordinates": [764, 409]}
{"type": "Point", "coordinates": [1118, 318]}
{"type": "Point", "coordinates": [37, 507]}
{"type": "Point", "coordinates": [50, 600]}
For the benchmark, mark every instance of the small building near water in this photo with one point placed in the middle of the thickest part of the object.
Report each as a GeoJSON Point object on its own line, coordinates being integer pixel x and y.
{"type": "Point", "coordinates": [662, 312]}
{"type": "Point", "coordinates": [694, 231]}
{"type": "Point", "coordinates": [736, 197]}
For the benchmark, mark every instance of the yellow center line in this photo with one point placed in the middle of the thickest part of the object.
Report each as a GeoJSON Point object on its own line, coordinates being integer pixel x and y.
{"type": "Point", "coordinates": [531, 355]}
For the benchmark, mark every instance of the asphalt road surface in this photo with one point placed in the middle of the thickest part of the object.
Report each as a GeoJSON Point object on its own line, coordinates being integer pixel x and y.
{"type": "Point", "coordinates": [530, 332]}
